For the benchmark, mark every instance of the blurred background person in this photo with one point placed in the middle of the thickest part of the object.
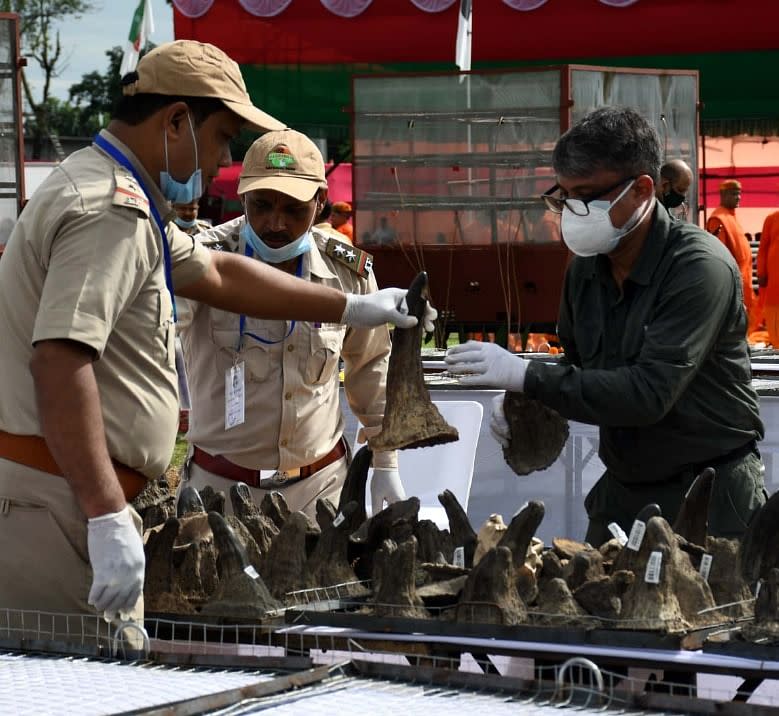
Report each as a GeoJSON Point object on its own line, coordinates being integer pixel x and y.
{"type": "Point", "coordinates": [768, 276]}
{"type": "Point", "coordinates": [726, 227]}
{"type": "Point", "coordinates": [671, 190]}
{"type": "Point", "coordinates": [187, 220]}
{"type": "Point", "coordinates": [340, 218]}
{"type": "Point", "coordinates": [384, 233]}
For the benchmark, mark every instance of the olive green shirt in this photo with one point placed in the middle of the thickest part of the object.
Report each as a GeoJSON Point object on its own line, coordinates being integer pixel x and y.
{"type": "Point", "coordinates": [662, 368]}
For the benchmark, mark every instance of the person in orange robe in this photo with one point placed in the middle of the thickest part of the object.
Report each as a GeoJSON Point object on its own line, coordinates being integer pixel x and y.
{"type": "Point", "coordinates": [725, 226]}
{"type": "Point", "coordinates": [768, 275]}
{"type": "Point", "coordinates": [339, 219]}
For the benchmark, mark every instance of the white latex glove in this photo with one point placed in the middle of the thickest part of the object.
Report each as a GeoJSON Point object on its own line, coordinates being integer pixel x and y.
{"type": "Point", "coordinates": [385, 486]}
{"type": "Point", "coordinates": [385, 306]}
{"type": "Point", "coordinates": [487, 364]}
{"type": "Point", "coordinates": [499, 426]}
{"type": "Point", "coordinates": [118, 563]}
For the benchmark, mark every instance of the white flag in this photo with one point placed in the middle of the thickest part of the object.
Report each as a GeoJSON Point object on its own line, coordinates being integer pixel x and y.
{"type": "Point", "coordinates": [142, 26]}
{"type": "Point", "coordinates": [462, 54]}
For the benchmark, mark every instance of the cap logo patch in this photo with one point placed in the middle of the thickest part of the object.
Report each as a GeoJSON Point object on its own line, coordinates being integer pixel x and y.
{"type": "Point", "coordinates": [280, 158]}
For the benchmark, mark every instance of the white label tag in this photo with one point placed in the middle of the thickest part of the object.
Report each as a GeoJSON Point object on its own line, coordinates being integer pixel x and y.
{"type": "Point", "coordinates": [618, 533]}
{"type": "Point", "coordinates": [338, 519]}
{"type": "Point", "coordinates": [636, 535]}
{"type": "Point", "coordinates": [705, 567]}
{"type": "Point", "coordinates": [251, 572]}
{"type": "Point", "coordinates": [459, 557]}
{"type": "Point", "coordinates": [652, 574]}
{"type": "Point", "coordinates": [234, 396]}
{"type": "Point", "coordinates": [757, 588]}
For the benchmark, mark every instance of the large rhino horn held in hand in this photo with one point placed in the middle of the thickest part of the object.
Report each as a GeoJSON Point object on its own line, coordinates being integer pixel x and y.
{"type": "Point", "coordinates": [410, 418]}
{"type": "Point", "coordinates": [537, 434]}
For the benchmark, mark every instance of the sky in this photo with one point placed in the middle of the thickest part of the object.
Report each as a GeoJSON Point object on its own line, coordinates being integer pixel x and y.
{"type": "Point", "coordinates": [85, 41]}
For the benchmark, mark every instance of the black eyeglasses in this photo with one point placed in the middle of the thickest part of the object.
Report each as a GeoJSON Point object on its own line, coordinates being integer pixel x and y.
{"type": "Point", "coordinates": [580, 207]}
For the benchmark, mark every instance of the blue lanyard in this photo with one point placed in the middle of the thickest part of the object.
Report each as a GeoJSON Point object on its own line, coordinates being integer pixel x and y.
{"type": "Point", "coordinates": [242, 319]}
{"type": "Point", "coordinates": [118, 157]}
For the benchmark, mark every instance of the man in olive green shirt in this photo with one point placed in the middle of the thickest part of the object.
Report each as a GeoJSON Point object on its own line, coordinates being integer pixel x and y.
{"type": "Point", "coordinates": [654, 330]}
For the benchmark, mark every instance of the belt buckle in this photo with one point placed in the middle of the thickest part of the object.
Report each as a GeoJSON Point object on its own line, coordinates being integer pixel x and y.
{"type": "Point", "coordinates": [280, 478]}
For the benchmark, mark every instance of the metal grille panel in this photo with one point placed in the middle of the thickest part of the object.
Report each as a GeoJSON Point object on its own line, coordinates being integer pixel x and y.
{"type": "Point", "coordinates": [44, 685]}
{"type": "Point", "coordinates": [380, 698]}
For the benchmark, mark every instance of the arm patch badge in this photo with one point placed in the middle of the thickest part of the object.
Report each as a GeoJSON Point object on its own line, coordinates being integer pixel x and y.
{"type": "Point", "coordinates": [127, 193]}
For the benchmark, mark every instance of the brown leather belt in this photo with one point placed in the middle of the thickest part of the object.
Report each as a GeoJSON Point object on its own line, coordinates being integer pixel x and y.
{"type": "Point", "coordinates": [32, 451]}
{"type": "Point", "coordinates": [230, 471]}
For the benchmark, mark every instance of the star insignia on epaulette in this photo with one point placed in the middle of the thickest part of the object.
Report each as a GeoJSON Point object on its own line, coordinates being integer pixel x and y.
{"type": "Point", "coordinates": [357, 260]}
{"type": "Point", "coordinates": [214, 244]}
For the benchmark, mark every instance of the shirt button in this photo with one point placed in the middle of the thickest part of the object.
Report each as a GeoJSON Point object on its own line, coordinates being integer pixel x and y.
{"type": "Point", "coordinates": [283, 443]}
{"type": "Point", "coordinates": [287, 396]}
{"type": "Point", "coordinates": [290, 347]}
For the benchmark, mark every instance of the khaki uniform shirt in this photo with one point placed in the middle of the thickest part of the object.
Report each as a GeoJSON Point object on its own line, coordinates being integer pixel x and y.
{"type": "Point", "coordinates": [85, 263]}
{"type": "Point", "coordinates": [292, 412]}
{"type": "Point", "coordinates": [327, 229]}
{"type": "Point", "coordinates": [200, 225]}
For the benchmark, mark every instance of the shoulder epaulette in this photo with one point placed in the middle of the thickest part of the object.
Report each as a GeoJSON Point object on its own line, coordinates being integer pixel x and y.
{"type": "Point", "coordinates": [320, 237]}
{"type": "Point", "coordinates": [214, 244]}
{"type": "Point", "coordinates": [220, 242]}
{"type": "Point", "coordinates": [128, 193]}
{"type": "Point", "coordinates": [359, 261]}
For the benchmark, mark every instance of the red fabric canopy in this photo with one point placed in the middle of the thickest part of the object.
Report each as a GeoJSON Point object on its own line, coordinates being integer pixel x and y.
{"type": "Point", "coordinates": [390, 31]}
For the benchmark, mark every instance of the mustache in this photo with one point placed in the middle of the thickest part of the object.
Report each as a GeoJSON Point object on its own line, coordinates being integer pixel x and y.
{"type": "Point", "coordinates": [276, 236]}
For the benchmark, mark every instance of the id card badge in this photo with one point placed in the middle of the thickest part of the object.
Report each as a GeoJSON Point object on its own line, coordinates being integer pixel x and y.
{"type": "Point", "coordinates": [234, 395]}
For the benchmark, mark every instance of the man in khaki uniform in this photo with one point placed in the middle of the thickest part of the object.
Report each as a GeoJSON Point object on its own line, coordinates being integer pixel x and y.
{"type": "Point", "coordinates": [290, 437]}
{"type": "Point", "coordinates": [187, 218]}
{"type": "Point", "coordinates": [88, 386]}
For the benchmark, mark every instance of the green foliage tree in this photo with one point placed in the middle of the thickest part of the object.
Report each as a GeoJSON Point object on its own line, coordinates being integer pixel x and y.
{"type": "Point", "coordinates": [94, 97]}
{"type": "Point", "coordinates": [61, 118]}
{"type": "Point", "coordinates": [41, 44]}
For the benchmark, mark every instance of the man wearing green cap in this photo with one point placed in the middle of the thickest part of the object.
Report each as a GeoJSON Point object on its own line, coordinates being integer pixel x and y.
{"type": "Point", "coordinates": [88, 395]}
{"type": "Point", "coordinates": [290, 436]}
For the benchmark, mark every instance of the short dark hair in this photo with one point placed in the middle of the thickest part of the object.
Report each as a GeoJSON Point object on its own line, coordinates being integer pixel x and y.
{"type": "Point", "coordinates": [137, 108]}
{"type": "Point", "coordinates": [613, 138]}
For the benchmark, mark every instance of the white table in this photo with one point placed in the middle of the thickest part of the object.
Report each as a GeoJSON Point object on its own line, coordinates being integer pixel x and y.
{"type": "Point", "coordinates": [562, 486]}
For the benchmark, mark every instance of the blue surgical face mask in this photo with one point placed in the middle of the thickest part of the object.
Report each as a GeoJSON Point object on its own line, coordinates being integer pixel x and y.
{"type": "Point", "coordinates": [275, 256]}
{"type": "Point", "coordinates": [178, 192]}
{"type": "Point", "coordinates": [185, 224]}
